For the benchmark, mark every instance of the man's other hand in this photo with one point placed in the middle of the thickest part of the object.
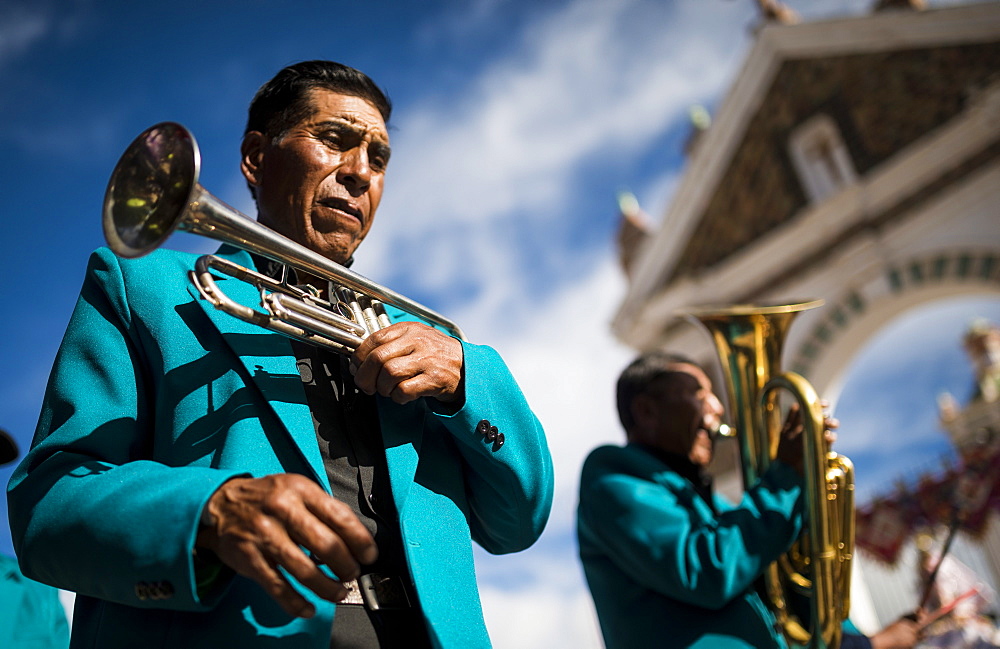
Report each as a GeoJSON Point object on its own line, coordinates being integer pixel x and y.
{"type": "Point", "coordinates": [791, 446]}
{"type": "Point", "coordinates": [255, 525]}
{"type": "Point", "coordinates": [901, 634]}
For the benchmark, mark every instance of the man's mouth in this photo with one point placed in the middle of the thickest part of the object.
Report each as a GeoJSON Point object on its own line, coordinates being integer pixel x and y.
{"type": "Point", "coordinates": [345, 206]}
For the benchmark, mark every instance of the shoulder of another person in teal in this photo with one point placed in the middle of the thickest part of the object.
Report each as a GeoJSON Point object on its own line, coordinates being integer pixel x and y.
{"type": "Point", "coordinates": [627, 459]}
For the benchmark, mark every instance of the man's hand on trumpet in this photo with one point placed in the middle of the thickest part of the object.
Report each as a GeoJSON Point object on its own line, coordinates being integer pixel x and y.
{"type": "Point", "coordinates": [790, 447]}
{"type": "Point", "coordinates": [409, 360]}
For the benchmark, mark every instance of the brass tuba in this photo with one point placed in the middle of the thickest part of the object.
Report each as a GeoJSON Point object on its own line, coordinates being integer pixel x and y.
{"type": "Point", "coordinates": [749, 341]}
{"type": "Point", "coordinates": [154, 191]}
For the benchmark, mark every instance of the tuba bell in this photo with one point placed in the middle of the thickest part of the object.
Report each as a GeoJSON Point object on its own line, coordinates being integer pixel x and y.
{"type": "Point", "coordinates": [815, 574]}
{"type": "Point", "coordinates": [154, 191]}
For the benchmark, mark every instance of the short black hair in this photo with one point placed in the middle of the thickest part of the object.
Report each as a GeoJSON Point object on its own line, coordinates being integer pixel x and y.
{"type": "Point", "coordinates": [283, 102]}
{"type": "Point", "coordinates": [636, 378]}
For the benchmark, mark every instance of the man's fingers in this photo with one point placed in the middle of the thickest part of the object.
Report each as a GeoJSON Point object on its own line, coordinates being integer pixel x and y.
{"type": "Point", "coordinates": [282, 591]}
{"type": "Point", "coordinates": [409, 360]}
{"type": "Point", "coordinates": [375, 340]}
{"type": "Point", "coordinates": [387, 346]}
{"type": "Point", "coordinates": [328, 529]}
{"type": "Point", "coordinates": [793, 420]}
{"type": "Point", "coordinates": [339, 539]}
{"type": "Point", "coordinates": [273, 547]}
{"type": "Point", "coordinates": [309, 574]}
{"type": "Point", "coordinates": [247, 559]}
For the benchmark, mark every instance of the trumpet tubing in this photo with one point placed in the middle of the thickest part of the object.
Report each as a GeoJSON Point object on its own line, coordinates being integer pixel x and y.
{"type": "Point", "coordinates": [154, 191]}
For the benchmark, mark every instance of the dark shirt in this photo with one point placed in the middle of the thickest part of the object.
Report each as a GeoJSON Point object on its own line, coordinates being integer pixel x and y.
{"type": "Point", "coordinates": [350, 442]}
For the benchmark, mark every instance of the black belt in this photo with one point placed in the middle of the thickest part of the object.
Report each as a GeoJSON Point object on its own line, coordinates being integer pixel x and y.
{"type": "Point", "coordinates": [377, 592]}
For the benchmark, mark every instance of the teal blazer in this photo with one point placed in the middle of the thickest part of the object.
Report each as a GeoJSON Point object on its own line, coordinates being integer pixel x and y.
{"type": "Point", "coordinates": [663, 569]}
{"type": "Point", "coordinates": [31, 615]}
{"type": "Point", "coordinates": [156, 398]}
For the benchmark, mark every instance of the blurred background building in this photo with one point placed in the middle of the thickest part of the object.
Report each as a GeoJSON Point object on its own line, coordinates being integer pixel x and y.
{"type": "Point", "coordinates": [855, 160]}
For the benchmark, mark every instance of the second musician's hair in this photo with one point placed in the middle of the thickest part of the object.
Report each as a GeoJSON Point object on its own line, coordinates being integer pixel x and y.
{"type": "Point", "coordinates": [639, 374]}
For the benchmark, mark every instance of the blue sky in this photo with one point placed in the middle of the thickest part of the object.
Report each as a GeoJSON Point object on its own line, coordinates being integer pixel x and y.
{"type": "Point", "coordinates": [515, 124]}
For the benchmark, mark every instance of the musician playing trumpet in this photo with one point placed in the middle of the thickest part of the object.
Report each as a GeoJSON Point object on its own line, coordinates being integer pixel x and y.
{"type": "Point", "coordinates": [669, 562]}
{"type": "Point", "coordinates": [200, 482]}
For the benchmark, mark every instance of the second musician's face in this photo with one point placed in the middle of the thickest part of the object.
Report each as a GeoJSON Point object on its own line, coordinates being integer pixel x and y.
{"type": "Point", "coordinates": [321, 182]}
{"type": "Point", "coordinates": [687, 411]}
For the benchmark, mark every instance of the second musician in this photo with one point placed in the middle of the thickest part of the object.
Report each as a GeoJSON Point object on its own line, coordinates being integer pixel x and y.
{"type": "Point", "coordinates": [669, 562]}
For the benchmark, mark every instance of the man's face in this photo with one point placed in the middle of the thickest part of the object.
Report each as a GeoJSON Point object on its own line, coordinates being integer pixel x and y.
{"type": "Point", "coordinates": [682, 411]}
{"type": "Point", "coordinates": [321, 182]}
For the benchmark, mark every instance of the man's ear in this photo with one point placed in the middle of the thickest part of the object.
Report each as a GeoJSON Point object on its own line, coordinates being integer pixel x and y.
{"type": "Point", "coordinates": [644, 414]}
{"type": "Point", "coordinates": [252, 157]}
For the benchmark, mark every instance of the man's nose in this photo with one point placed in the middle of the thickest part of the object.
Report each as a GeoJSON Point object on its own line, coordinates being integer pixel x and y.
{"type": "Point", "coordinates": [355, 172]}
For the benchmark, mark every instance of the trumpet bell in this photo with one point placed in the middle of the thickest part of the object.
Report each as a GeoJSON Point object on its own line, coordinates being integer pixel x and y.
{"type": "Point", "coordinates": [150, 188]}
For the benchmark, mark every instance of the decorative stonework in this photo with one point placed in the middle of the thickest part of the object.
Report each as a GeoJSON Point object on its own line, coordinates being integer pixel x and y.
{"type": "Point", "coordinates": [956, 267]}
{"type": "Point", "coordinates": [881, 103]}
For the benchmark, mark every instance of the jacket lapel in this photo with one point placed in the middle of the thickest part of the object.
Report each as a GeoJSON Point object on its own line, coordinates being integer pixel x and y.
{"type": "Point", "coordinates": [269, 361]}
{"type": "Point", "coordinates": [402, 435]}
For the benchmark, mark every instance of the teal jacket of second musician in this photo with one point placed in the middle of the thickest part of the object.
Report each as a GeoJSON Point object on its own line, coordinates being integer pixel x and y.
{"type": "Point", "coordinates": [664, 569]}
{"type": "Point", "coordinates": [156, 398]}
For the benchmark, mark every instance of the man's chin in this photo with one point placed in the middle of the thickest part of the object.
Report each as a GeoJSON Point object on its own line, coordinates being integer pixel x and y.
{"type": "Point", "coordinates": [335, 249]}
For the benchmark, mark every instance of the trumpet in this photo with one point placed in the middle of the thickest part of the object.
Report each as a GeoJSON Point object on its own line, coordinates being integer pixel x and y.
{"type": "Point", "coordinates": [154, 191]}
{"type": "Point", "coordinates": [749, 340]}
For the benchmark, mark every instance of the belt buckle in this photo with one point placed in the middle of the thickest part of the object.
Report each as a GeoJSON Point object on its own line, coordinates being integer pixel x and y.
{"type": "Point", "coordinates": [382, 592]}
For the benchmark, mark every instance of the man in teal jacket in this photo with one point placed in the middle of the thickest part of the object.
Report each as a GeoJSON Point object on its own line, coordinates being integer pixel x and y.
{"type": "Point", "coordinates": [31, 615]}
{"type": "Point", "coordinates": [669, 563]}
{"type": "Point", "coordinates": [183, 475]}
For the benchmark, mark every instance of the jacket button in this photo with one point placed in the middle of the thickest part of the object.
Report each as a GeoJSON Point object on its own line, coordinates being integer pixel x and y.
{"type": "Point", "coordinates": [483, 427]}
{"type": "Point", "coordinates": [498, 442]}
{"type": "Point", "coordinates": [164, 590]}
{"type": "Point", "coordinates": [491, 434]}
{"type": "Point", "coordinates": [142, 590]}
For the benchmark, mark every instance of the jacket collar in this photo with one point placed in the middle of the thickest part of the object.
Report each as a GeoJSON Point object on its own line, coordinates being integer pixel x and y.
{"type": "Point", "coordinates": [682, 466]}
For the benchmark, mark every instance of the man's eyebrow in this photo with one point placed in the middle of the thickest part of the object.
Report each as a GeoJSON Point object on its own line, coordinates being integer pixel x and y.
{"type": "Point", "coordinates": [348, 124]}
{"type": "Point", "coordinates": [381, 148]}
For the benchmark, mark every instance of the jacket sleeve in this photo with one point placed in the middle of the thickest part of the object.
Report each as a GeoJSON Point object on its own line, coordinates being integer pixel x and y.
{"type": "Point", "coordinates": [89, 511]}
{"type": "Point", "coordinates": [663, 536]}
{"type": "Point", "coordinates": [509, 480]}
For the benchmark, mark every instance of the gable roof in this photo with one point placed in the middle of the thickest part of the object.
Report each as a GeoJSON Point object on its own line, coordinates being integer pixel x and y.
{"type": "Point", "coordinates": [739, 184]}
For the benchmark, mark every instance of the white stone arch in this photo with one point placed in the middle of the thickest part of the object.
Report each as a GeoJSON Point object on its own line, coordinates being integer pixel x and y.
{"type": "Point", "coordinates": [850, 321]}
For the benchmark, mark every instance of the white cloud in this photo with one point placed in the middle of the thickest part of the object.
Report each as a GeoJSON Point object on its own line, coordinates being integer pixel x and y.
{"type": "Point", "coordinates": [544, 617]}
{"type": "Point", "coordinates": [26, 23]}
{"type": "Point", "coordinates": [567, 365]}
{"type": "Point", "coordinates": [591, 85]}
